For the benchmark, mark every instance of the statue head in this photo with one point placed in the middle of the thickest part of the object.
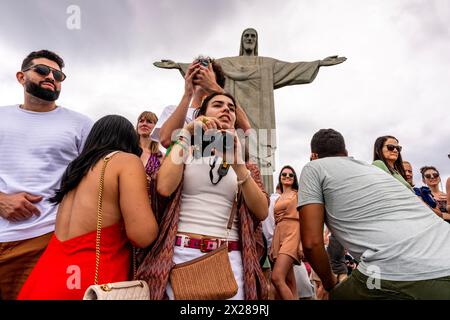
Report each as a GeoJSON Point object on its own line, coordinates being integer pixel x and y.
{"type": "Point", "coordinates": [249, 43]}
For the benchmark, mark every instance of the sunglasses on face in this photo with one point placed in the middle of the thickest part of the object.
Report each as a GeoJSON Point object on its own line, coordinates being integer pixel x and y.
{"type": "Point", "coordinates": [290, 175]}
{"type": "Point", "coordinates": [431, 175]}
{"type": "Point", "coordinates": [44, 70]}
{"type": "Point", "coordinates": [392, 147]}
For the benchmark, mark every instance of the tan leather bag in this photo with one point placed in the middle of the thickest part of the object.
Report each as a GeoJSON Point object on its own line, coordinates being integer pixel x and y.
{"type": "Point", "coordinates": [126, 290]}
{"type": "Point", "coordinates": [208, 277]}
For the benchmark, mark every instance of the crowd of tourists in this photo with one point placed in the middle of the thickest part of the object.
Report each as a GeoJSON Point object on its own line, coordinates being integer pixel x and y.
{"type": "Point", "coordinates": [85, 203]}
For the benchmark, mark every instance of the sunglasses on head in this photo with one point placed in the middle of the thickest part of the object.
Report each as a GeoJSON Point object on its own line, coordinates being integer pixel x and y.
{"type": "Point", "coordinates": [290, 175]}
{"type": "Point", "coordinates": [391, 147]}
{"type": "Point", "coordinates": [44, 70]}
{"type": "Point", "coordinates": [431, 175]}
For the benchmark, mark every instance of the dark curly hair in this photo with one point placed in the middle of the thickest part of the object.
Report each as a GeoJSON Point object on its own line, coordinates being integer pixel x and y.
{"type": "Point", "coordinates": [328, 143]}
{"type": "Point", "coordinates": [220, 75]}
{"type": "Point", "coordinates": [27, 62]}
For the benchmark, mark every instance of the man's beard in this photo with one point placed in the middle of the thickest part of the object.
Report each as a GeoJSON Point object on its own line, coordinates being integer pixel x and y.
{"type": "Point", "coordinates": [37, 91]}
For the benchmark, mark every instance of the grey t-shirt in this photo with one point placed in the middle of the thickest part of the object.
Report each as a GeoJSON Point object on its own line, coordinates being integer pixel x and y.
{"type": "Point", "coordinates": [380, 222]}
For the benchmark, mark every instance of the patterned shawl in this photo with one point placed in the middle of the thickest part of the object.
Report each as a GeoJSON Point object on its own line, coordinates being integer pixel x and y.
{"type": "Point", "coordinates": [153, 164]}
{"type": "Point", "coordinates": [157, 264]}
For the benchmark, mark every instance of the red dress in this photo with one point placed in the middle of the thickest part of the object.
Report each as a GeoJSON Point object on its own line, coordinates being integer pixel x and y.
{"type": "Point", "coordinates": [67, 268]}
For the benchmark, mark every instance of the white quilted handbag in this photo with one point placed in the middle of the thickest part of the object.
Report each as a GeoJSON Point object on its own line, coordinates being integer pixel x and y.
{"type": "Point", "coordinates": [126, 290]}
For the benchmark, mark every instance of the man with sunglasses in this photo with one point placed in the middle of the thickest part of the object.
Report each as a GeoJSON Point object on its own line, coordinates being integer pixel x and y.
{"type": "Point", "coordinates": [38, 139]}
{"type": "Point", "coordinates": [400, 245]}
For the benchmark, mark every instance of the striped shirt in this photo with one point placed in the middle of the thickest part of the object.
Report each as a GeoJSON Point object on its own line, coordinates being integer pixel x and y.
{"type": "Point", "coordinates": [35, 149]}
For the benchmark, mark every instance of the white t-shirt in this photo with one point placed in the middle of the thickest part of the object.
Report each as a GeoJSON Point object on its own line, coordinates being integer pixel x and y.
{"type": "Point", "coordinates": [393, 234]}
{"type": "Point", "coordinates": [167, 112]}
{"type": "Point", "coordinates": [36, 148]}
{"type": "Point", "coordinates": [205, 208]}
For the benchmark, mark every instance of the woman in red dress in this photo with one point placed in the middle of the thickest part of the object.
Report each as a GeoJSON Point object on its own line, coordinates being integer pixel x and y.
{"type": "Point", "coordinates": [67, 267]}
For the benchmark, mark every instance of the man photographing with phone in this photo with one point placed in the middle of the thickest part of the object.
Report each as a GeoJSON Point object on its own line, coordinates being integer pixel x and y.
{"type": "Point", "coordinates": [207, 77]}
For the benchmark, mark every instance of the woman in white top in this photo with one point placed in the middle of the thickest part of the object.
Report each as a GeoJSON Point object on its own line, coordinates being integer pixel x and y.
{"type": "Point", "coordinates": [209, 187]}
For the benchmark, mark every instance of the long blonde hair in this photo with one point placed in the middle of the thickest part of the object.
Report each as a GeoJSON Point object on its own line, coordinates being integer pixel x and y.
{"type": "Point", "coordinates": [148, 115]}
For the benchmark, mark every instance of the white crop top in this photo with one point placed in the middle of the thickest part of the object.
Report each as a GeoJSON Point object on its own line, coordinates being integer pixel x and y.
{"type": "Point", "coordinates": [205, 208]}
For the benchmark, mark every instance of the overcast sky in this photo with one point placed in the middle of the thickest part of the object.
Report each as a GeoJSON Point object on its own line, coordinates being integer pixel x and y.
{"type": "Point", "coordinates": [395, 81]}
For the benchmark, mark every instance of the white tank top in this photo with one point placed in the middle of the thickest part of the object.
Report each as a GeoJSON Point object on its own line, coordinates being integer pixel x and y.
{"type": "Point", "coordinates": [205, 208]}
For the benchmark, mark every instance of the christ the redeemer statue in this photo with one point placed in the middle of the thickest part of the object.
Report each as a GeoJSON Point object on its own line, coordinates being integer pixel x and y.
{"type": "Point", "coordinates": [251, 79]}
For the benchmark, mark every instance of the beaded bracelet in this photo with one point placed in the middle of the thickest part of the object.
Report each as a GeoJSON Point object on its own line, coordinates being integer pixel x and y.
{"type": "Point", "coordinates": [180, 138]}
{"type": "Point", "coordinates": [241, 182]}
{"type": "Point", "coordinates": [169, 148]}
{"type": "Point", "coordinates": [183, 135]}
{"type": "Point", "coordinates": [183, 139]}
{"type": "Point", "coordinates": [182, 145]}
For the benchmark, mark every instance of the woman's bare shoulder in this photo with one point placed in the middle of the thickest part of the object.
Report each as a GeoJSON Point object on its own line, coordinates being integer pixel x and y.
{"type": "Point", "coordinates": [127, 161]}
{"type": "Point", "coordinates": [125, 157]}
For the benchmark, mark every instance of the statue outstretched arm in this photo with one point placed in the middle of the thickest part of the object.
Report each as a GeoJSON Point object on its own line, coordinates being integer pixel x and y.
{"type": "Point", "coordinates": [292, 73]}
{"type": "Point", "coordinates": [169, 64]}
{"type": "Point", "coordinates": [331, 61]}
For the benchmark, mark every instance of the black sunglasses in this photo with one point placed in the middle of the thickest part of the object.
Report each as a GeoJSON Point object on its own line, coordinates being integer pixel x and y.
{"type": "Point", "coordinates": [431, 176]}
{"type": "Point", "coordinates": [284, 174]}
{"type": "Point", "coordinates": [44, 70]}
{"type": "Point", "coordinates": [391, 147]}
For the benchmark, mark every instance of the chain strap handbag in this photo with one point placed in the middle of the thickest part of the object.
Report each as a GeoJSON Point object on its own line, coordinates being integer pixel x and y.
{"type": "Point", "coordinates": [126, 290]}
{"type": "Point", "coordinates": [208, 277]}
